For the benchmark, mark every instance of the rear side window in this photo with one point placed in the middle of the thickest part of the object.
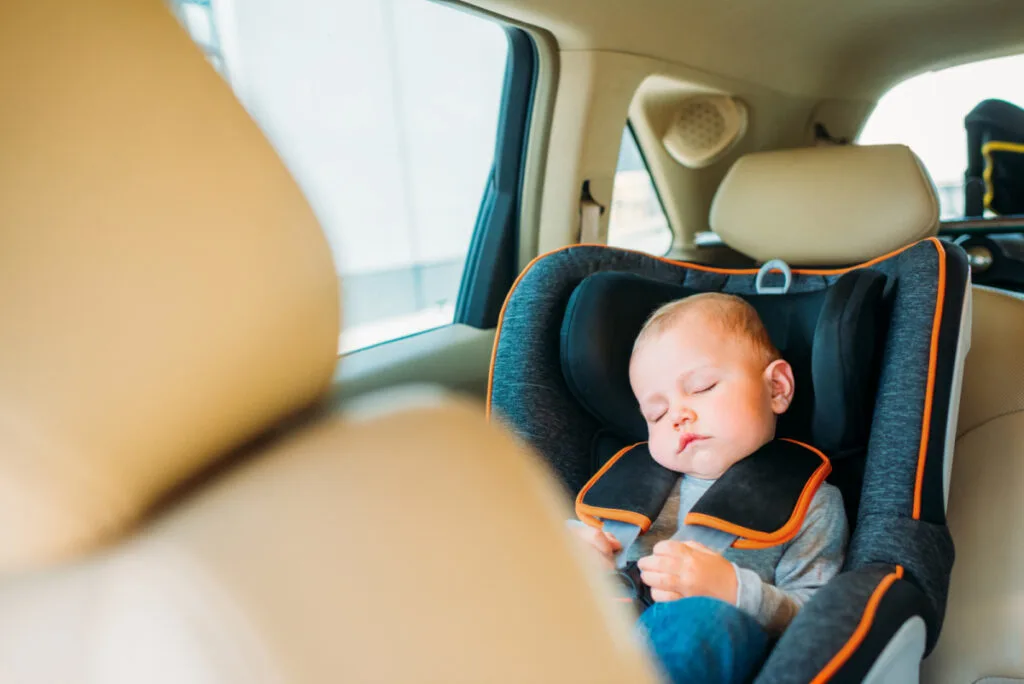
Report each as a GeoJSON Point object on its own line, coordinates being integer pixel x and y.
{"type": "Point", "coordinates": [927, 114]}
{"type": "Point", "coordinates": [637, 219]}
{"type": "Point", "coordinates": [386, 114]}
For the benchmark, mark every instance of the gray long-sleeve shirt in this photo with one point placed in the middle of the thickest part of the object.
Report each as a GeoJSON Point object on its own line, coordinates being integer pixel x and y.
{"type": "Point", "coordinates": [773, 583]}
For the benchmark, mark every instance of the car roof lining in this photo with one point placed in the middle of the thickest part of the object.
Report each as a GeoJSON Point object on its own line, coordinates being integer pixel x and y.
{"type": "Point", "coordinates": [800, 47]}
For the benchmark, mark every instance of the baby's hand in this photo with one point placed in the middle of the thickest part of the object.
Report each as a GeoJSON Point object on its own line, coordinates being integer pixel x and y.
{"type": "Point", "coordinates": [679, 569]}
{"type": "Point", "coordinates": [605, 544]}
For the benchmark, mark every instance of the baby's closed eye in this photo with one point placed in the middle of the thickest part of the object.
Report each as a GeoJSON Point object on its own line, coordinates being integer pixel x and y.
{"type": "Point", "coordinates": [704, 387]}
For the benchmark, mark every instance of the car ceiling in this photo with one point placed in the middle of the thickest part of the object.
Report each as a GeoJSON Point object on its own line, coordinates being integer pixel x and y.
{"type": "Point", "coordinates": [854, 49]}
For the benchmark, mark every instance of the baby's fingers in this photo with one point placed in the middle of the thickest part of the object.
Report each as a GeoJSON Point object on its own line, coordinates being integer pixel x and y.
{"type": "Point", "coordinates": [616, 545]}
{"type": "Point", "coordinates": [605, 543]}
{"type": "Point", "coordinates": [663, 585]}
{"type": "Point", "coordinates": [661, 596]}
{"type": "Point", "coordinates": [597, 539]}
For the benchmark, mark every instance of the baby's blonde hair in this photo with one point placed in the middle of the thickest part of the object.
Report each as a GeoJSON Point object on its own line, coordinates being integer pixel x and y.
{"type": "Point", "coordinates": [735, 315]}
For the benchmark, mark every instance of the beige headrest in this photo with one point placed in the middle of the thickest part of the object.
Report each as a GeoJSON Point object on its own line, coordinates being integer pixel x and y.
{"type": "Point", "coordinates": [165, 291]}
{"type": "Point", "coordinates": [825, 205]}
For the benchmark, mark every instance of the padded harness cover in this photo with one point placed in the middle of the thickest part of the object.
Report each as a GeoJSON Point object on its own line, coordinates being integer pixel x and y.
{"type": "Point", "coordinates": [762, 499]}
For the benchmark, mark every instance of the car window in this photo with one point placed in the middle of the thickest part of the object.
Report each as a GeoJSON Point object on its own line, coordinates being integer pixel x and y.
{"type": "Point", "coordinates": [927, 113]}
{"type": "Point", "coordinates": [386, 125]}
{"type": "Point", "coordinates": [637, 219]}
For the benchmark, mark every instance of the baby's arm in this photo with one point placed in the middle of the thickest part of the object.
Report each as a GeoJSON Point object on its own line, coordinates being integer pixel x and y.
{"type": "Point", "coordinates": [813, 558]}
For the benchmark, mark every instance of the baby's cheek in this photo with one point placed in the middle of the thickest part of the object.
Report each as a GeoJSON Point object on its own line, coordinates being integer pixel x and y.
{"type": "Point", "coordinates": [657, 445]}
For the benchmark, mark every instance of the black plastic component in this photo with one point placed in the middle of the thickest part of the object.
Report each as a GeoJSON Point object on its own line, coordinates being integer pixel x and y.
{"type": "Point", "coordinates": [633, 588]}
{"type": "Point", "coordinates": [995, 260]}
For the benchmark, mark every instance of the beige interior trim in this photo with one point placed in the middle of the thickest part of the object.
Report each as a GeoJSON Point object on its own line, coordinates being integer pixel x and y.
{"type": "Point", "coordinates": [598, 91]}
{"type": "Point", "coordinates": [790, 78]}
{"type": "Point", "coordinates": [842, 118]}
{"type": "Point", "coordinates": [456, 357]}
{"type": "Point", "coordinates": [776, 119]}
{"type": "Point", "coordinates": [594, 90]}
{"type": "Point", "coordinates": [850, 50]}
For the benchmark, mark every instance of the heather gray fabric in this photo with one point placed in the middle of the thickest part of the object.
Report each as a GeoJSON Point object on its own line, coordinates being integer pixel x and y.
{"type": "Point", "coordinates": [891, 465]}
{"type": "Point", "coordinates": [822, 627]}
{"type": "Point", "coordinates": [925, 550]}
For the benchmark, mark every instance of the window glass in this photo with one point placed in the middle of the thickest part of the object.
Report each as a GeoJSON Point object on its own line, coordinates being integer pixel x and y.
{"type": "Point", "coordinates": [927, 114]}
{"type": "Point", "coordinates": [637, 219]}
{"type": "Point", "coordinates": [385, 113]}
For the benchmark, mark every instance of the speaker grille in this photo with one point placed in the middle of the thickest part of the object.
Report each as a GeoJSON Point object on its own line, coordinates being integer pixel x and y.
{"type": "Point", "coordinates": [701, 126]}
{"type": "Point", "coordinates": [704, 129]}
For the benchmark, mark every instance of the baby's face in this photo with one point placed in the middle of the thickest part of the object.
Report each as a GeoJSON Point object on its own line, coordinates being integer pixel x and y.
{"type": "Point", "coordinates": [707, 396]}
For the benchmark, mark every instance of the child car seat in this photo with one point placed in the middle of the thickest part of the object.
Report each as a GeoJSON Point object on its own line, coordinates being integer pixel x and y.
{"type": "Point", "coordinates": [877, 349]}
{"type": "Point", "coordinates": [994, 179]}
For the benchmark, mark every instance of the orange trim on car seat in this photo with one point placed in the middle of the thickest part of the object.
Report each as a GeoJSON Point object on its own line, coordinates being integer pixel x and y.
{"type": "Point", "coordinates": [590, 514]}
{"type": "Point", "coordinates": [936, 324]}
{"type": "Point", "coordinates": [755, 539]}
{"type": "Point", "coordinates": [857, 638]}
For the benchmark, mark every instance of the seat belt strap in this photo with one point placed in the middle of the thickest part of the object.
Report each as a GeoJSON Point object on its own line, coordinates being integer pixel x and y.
{"type": "Point", "coordinates": [627, 534]}
{"type": "Point", "coordinates": [590, 218]}
{"type": "Point", "coordinates": [716, 540]}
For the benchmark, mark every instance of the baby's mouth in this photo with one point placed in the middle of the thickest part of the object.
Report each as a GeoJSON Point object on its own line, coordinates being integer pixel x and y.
{"type": "Point", "coordinates": [688, 439]}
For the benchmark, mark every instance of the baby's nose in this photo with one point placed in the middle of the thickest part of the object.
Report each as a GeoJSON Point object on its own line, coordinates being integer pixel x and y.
{"type": "Point", "coordinates": [683, 416]}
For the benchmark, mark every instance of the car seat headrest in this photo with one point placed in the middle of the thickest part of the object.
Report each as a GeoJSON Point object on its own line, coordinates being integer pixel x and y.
{"type": "Point", "coordinates": [167, 292]}
{"type": "Point", "coordinates": [825, 205]}
{"type": "Point", "coordinates": [829, 336]}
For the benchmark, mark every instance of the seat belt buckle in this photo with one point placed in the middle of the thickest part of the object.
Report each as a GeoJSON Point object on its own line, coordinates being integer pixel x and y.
{"type": "Point", "coordinates": [632, 587]}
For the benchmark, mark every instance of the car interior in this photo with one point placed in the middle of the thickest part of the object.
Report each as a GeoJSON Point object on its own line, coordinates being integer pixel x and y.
{"type": "Point", "coordinates": [285, 394]}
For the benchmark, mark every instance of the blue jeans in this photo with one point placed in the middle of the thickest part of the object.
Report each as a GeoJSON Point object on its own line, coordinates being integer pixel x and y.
{"type": "Point", "coordinates": [702, 639]}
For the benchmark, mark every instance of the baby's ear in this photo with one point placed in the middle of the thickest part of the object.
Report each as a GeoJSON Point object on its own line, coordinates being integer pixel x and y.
{"type": "Point", "coordinates": [779, 374]}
